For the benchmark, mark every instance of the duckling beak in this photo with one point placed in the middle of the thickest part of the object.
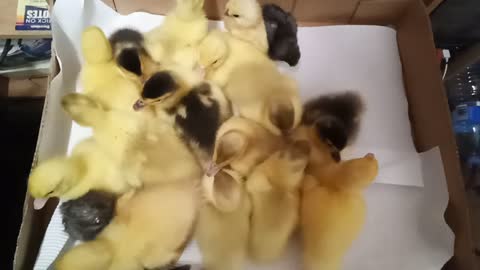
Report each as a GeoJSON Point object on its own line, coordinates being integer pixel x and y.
{"type": "Point", "coordinates": [39, 203]}
{"type": "Point", "coordinates": [226, 12]}
{"type": "Point", "coordinates": [139, 104]}
{"type": "Point", "coordinates": [212, 169]}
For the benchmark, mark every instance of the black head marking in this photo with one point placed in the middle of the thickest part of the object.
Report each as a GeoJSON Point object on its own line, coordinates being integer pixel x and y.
{"type": "Point", "coordinates": [128, 45]}
{"type": "Point", "coordinates": [336, 117]}
{"type": "Point", "coordinates": [158, 85]}
{"type": "Point", "coordinates": [127, 36]}
{"type": "Point", "coordinates": [287, 50]}
{"type": "Point", "coordinates": [281, 28]}
{"type": "Point", "coordinates": [334, 152]}
{"type": "Point", "coordinates": [201, 122]}
{"type": "Point", "coordinates": [85, 217]}
{"type": "Point", "coordinates": [129, 59]}
{"type": "Point", "coordinates": [333, 130]}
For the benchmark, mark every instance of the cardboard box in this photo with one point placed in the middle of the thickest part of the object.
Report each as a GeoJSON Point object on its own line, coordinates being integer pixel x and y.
{"type": "Point", "coordinates": [428, 110]}
{"type": "Point", "coordinates": [29, 87]}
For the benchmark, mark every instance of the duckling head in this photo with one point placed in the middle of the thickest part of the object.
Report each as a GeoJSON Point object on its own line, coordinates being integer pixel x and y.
{"type": "Point", "coordinates": [213, 51]}
{"type": "Point", "coordinates": [163, 89]}
{"type": "Point", "coordinates": [52, 178]}
{"type": "Point", "coordinates": [229, 147]}
{"type": "Point", "coordinates": [242, 14]}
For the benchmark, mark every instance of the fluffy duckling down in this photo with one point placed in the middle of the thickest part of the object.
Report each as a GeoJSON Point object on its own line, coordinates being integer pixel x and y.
{"type": "Point", "coordinates": [146, 231]}
{"type": "Point", "coordinates": [251, 81]}
{"type": "Point", "coordinates": [185, 26]}
{"type": "Point", "coordinates": [223, 224]}
{"type": "Point", "coordinates": [197, 112]}
{"type": "Point", "coordinates": [244, 20]}
{"type": "Point", "coordinates": [108, 160]}
{"type": "Point", "coordinates": [333, 208]}
{"type": "Point", "coordinates": [274, 191]}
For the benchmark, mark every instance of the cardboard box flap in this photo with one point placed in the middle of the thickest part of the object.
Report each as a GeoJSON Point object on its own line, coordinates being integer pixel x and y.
{"type": "Point", "coordinates": [34, 223]}
{"type": "Point", "coordinates": [381, 12]}
{"type": "Point", "coordinates": [330, 11]}
{"type": "Point", "coordinates": [213, 8]}
{"type": "Point", "coordinates": [428, 104]}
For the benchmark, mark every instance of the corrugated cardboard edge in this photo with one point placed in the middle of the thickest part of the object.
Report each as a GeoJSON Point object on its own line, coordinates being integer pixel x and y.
{"type": "Point", "coordinates": [28, 242]}
{"type": "Point", "coordinates": [427, 102]}
{"type": "Point", "coordinates": [28, 215]}
{"type": "Point", "coordinates": [213, 8]}
{"type": "Point", "coordinates": [34, 223]}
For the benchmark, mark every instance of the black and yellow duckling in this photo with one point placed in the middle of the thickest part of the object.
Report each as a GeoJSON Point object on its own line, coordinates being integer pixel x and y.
{"type": "Point", "coordinates": [197, 111]}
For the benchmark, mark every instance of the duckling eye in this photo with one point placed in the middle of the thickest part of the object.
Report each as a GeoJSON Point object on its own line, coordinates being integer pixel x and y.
{"type": "Point", "coordinates": [236, 15]}
{"type": "Point", "coordinates": [215, 62]}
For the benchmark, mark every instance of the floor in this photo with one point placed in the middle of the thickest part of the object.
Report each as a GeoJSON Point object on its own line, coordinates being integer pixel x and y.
{"type": "Point", "coordinates": [21, 116]}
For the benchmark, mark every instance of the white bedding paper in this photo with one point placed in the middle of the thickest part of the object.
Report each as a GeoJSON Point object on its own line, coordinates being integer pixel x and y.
{"type": "Point", "coordinates": [405, 227]}
{"type": "Point", "coordinates": [364, 59]}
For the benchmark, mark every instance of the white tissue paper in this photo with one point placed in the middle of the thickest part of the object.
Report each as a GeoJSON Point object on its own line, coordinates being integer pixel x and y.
{"type": "Point", "coordinates": [405, 228]}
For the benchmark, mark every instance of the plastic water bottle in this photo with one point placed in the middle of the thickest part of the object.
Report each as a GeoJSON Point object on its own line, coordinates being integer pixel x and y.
{"type": "Point", "coordinates": [466, 124]}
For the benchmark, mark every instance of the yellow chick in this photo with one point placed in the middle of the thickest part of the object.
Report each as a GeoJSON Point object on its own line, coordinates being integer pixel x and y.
{"type": "Point", "coordinates": [134, 144]}
{"type": "Point", "coordinates": [223, 222]}
{"type": "Point", "coordinates": [102, 79]}
{"type": "Point", "coordinates": [244, 20]}
{"type": "Point", "coordinates": [108, 160]}
{"type": "Point", "coordinates": [182, 124]}
{"type": "Point", "coordinates": [150, 230]}
{"type": "Point", "coordinates": [109, 92]}
{"type": "Point", "coordinates": [197, 112]}
{"type": "Point", "coordinates": [87, 168]}
{"type": "Point", "coordinates": [185, 26]}
{"type": "Point", "coordinates": [221, 52]}
{"type": "Point", "coordinates": [117, 134]}
{"type": "Point", "coordinates": [241, 144]}
{"type": "Point", "coordinates": [168, 157]}
{"type": "Point", "coordinates": [274, 190]}
{"type": "Point", "coordinates": [187, 113]}
{"type": "Point", "coordinates": [263, 94]}
{"type": "Point", "coordinates": [129, 52]}
{"type": "Point", "coordinates": [252, 82]}
{"type": "Point", "coordinates": [332, 207]}
{"type": "Point", "coordinates": [116, 131]}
